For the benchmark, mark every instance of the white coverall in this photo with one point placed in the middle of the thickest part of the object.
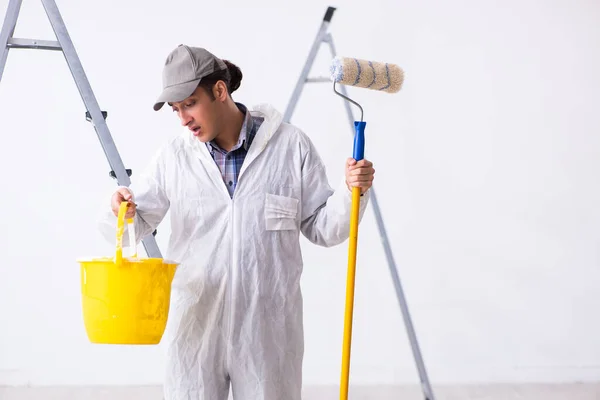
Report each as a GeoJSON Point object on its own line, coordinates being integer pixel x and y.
{"type": "Point", "coordinates": [236, 306]}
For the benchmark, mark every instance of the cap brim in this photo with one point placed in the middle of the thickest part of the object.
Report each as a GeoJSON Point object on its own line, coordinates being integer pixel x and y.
{"type": "Point", "coordinates": [176, 93]}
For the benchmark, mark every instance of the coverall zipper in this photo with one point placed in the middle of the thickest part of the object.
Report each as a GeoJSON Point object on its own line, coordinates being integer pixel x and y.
{"type": "Point", "coordinates": [229, 306]}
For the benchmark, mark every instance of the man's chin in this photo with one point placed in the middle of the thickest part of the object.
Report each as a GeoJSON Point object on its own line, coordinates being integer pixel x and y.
{"type": "Point", "coordinates": [202, 137]}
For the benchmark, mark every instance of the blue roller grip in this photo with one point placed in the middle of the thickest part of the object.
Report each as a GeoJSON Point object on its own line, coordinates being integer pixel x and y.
{"type": "Point", "coordinates": [359, 140]}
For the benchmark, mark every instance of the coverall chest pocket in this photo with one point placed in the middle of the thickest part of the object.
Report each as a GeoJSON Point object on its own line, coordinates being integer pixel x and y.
{"type": "Point", "coordinates": [280, 212]}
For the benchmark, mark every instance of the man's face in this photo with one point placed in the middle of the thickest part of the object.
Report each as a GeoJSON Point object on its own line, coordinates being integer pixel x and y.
{"type": "Point", "coordinates": [200, 114]}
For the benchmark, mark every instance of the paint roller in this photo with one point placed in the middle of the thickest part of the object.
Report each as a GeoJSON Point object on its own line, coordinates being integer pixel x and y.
{"type": "Point", "coordinates": [382, 77]}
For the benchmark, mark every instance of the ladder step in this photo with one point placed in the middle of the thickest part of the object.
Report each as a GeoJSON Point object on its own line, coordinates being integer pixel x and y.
{"type": "Point", "coordinates": [16, 43]}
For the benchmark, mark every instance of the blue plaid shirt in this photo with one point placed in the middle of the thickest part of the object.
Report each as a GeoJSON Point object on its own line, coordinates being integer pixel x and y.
{"type": "Point", "coordinates": [230, 163]}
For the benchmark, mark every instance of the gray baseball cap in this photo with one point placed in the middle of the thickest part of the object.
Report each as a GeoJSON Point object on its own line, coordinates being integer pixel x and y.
{"type": "Point", "coordinates": [184, 69]}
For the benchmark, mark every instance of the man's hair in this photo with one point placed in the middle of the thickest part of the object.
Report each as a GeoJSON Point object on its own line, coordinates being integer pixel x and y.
{"type": "Point", "coordinates": [232, 76]}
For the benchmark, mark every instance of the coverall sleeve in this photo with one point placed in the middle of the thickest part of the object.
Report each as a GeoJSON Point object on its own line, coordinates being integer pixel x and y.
{"type": "Point", "coordinates": [325, 218]}
{"type": "Point", "coordinates": [152, 204]}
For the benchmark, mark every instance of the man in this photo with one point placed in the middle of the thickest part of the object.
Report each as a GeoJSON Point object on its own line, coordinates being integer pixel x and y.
{"type": "Point", "coordinates": [240, 186]}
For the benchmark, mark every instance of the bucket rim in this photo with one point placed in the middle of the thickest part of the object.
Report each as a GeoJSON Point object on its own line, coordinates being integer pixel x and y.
{"type": "Point", "coordinates": [133, 260]}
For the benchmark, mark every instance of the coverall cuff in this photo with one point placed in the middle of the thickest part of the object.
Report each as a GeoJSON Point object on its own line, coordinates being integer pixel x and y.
{"type": "Point", "coordinates": [364, 198]}
{"type": "Point", "coordinates": [348, 190]}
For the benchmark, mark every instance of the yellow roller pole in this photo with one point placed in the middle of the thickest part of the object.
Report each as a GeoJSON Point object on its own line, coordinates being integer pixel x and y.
{"type": "Point", "coordinates": [359, 144]}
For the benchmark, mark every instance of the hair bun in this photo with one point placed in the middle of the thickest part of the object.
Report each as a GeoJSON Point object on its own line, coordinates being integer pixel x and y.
{"type": "Point", "coordinates": [235, 74]}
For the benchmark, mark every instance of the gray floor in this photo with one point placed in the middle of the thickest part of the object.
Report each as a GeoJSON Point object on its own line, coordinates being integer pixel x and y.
{"type": "Point", "coordinates": [587, 391]}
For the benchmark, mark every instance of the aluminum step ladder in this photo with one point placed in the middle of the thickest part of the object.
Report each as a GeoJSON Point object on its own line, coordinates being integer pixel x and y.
{"type": "Point", "coordinates": [93, 113]}
{"type": "Point", "coordinates": [323, 36]}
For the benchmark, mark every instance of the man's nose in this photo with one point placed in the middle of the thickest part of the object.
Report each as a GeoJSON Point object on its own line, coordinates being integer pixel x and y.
{"type": "Point", "coordinates": [185, 118]}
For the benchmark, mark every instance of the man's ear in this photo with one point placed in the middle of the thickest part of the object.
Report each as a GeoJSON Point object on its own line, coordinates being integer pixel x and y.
{"type": "Point", "coordinates": [220, 91]}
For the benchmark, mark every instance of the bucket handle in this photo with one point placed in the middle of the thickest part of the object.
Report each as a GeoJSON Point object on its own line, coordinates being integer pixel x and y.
{"type": "Point", "coordinates": [121, 230]}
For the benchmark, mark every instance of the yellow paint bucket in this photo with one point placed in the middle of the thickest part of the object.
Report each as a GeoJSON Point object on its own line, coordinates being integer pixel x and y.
{"type": "Point", "coordinates": [125, 299]}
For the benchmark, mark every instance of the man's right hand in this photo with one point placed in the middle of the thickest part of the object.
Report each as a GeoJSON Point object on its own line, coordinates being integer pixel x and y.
{"type": "Point", "coordinates": [121, 195]}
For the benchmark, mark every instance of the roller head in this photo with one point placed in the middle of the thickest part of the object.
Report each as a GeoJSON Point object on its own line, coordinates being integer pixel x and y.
{"type": "Point", "coordinates": [367, 74]}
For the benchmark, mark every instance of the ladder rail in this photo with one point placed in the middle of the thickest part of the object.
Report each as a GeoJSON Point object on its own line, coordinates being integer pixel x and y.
{"type": "Point", "coordinates": [8, 30]}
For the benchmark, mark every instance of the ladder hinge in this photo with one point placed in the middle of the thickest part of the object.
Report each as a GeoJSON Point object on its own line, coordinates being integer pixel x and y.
{"type": "Point", "coordinates": [88, 116]}
{"type": "Point", "coordinates": [114, 176]}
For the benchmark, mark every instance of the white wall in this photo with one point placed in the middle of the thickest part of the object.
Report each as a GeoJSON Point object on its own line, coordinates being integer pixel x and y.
{"type": "Point", "coordinates": [487, 176]}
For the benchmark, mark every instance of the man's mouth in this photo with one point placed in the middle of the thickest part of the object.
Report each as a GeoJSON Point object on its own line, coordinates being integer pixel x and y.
{"type": "Point", "coordinates": [195, 130]}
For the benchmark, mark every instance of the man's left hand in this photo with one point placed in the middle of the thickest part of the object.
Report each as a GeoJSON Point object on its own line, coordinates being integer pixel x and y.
{"type": "Point", "coordinates": [359, 174]}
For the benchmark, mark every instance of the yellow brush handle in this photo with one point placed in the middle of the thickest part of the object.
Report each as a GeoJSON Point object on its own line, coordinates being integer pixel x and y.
{"type": "Point", "coordinates": [121, 229]}
{"type": "Point", "coordinates": [353, 240]}
{"type": "Point", "coordinates": [132, 242]}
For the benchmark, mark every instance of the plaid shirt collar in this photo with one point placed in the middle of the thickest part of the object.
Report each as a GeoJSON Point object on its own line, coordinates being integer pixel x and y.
{"type": "Point", "coordinates": [247, 133]}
